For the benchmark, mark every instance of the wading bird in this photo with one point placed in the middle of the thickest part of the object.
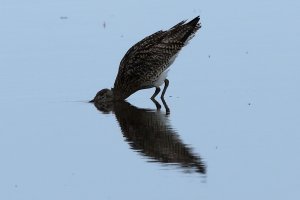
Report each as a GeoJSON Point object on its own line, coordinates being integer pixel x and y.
{"type": "Point", "coordinates": [146, 64]}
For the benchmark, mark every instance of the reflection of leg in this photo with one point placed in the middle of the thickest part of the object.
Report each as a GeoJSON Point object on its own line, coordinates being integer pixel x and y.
{"type": "Point", "coordinates": [166, 106]}
{"type": "Point", "coordinates": [157, 90]}
{"type": "Point", "coordinates": [158, 106]}
{"type": "Point", "coordinates": [165, 88]}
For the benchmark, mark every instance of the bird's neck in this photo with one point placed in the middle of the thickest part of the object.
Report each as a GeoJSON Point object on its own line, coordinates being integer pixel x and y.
{"type": "Point", "coordinates": [118, 95]}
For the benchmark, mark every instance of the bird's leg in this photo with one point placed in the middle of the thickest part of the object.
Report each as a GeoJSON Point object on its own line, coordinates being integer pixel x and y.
{"type": "Point", "coordinates": [157, 90]}
{"type": "Point", "coordinates": [158, 106]}
{"type": "Point", "coordinates": [166, 106]}
{"type": "Point", "coordinates": [165, 88]}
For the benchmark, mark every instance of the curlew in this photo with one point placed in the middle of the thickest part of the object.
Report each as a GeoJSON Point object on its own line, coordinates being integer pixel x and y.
{"type": "Point", "coordinates": [146, 64]}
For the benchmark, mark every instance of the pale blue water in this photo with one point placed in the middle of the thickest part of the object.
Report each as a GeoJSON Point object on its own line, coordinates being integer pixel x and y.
{"type": "Point", "coordinates": [233, 129]}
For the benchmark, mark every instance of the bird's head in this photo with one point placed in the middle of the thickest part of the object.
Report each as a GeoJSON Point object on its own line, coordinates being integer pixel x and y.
{"type": "Point", "coordinates": [104, 95]}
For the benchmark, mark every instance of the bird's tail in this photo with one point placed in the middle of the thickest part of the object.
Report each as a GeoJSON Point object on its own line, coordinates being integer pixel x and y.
{"type": "Point", "coordinates": [191, 28]}
{"type": "Point", "coordinates": [184, 32]}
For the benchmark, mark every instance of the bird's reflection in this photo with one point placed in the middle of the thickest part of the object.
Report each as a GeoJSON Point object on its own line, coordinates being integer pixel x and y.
{"type": "Point", "coordinates": [149, 132]}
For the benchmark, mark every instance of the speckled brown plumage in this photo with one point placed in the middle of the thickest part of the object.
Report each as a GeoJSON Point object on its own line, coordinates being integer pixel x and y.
{"type": "Point", "coordinates": [146, 64]}
{"type": "Point", "coordinates": [146, 60]}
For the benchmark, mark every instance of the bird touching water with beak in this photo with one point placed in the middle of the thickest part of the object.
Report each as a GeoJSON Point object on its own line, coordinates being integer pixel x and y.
{"type": "Point", "coordinates": [146, 64]}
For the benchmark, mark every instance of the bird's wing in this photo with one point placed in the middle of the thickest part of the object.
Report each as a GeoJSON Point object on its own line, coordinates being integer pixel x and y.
{"type": "Point", "coordinates": [152, 55]}
{"type": "Point", "coordinates": [146, 45]}
{"type": "Point", "coordinates": [146, 58]}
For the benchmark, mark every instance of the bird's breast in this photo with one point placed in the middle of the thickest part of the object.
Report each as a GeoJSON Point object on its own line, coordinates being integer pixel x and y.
{"type": "Point", "coordinates": [161, 78]}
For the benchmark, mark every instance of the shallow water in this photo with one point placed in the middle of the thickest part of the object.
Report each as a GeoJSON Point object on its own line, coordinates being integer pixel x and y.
{"type": "Point", "coordinates": [233, 127]}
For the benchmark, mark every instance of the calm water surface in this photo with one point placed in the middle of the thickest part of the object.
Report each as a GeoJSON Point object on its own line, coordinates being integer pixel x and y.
{"type": "Point", "coordinates": [233, 127]}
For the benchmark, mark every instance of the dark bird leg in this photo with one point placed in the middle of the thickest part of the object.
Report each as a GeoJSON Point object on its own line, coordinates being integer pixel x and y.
{"type": "Point", "coordinates": [157, 90]}
{"type": "Point", "coordinates": [165, 88]}
{"type": "Point", "coordinates": [166, 106]}
{"type": "Point", "coordinates": [158, 106]}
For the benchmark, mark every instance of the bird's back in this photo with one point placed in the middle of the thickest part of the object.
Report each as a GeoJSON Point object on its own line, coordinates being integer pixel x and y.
{"type": "Point", "coordinates": [146, 60]}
